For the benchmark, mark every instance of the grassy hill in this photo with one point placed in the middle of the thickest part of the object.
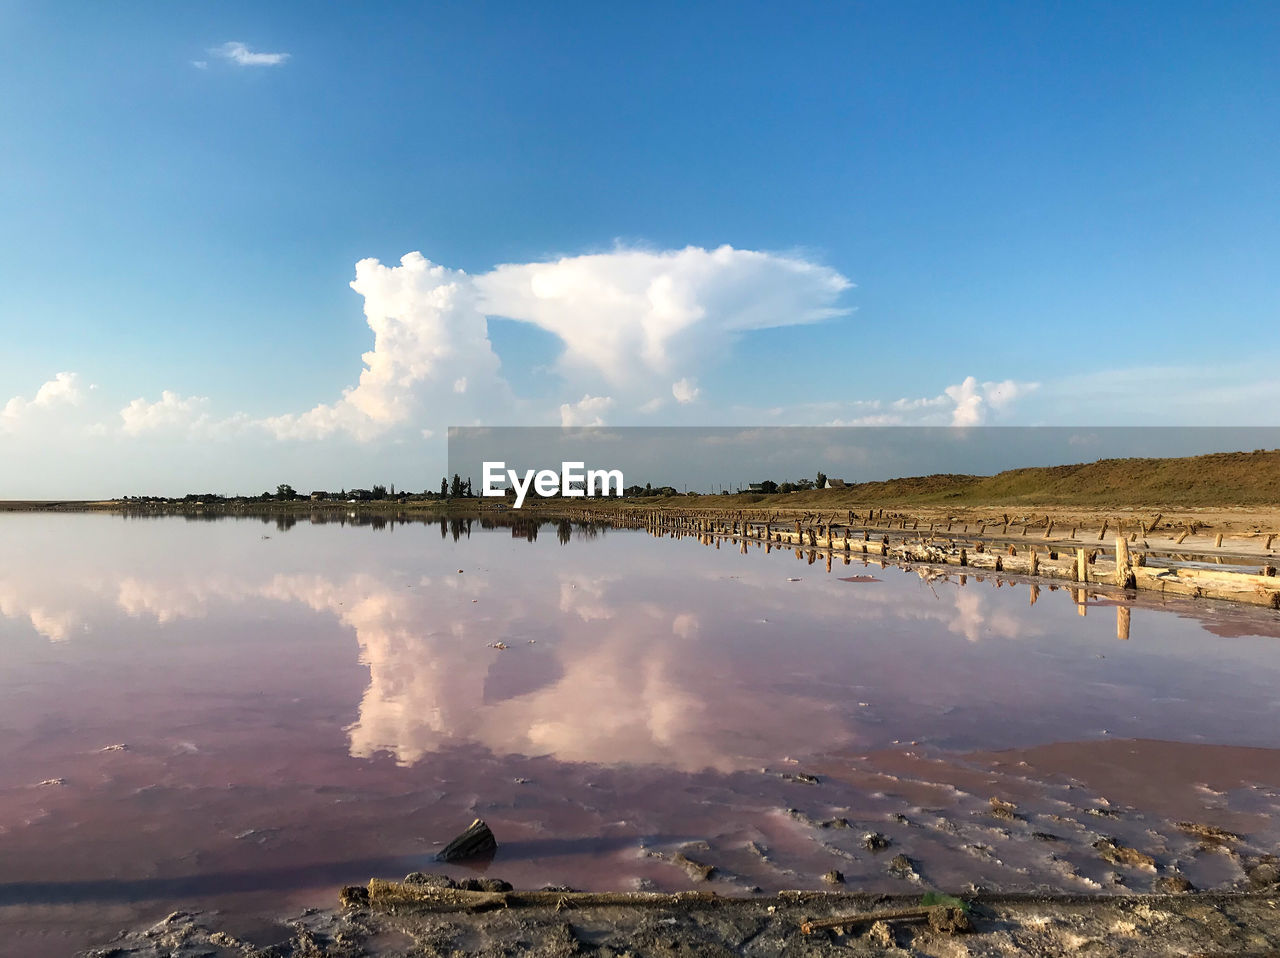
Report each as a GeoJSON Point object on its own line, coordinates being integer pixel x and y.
{"type": "Point", "coordinates": [1218, 479]}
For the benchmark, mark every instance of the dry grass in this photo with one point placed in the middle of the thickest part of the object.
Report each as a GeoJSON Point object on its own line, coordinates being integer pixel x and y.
{"type": "Point", "coordinates": [1219, 479]}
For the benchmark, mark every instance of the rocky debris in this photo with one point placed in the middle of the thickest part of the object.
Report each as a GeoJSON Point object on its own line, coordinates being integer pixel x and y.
{"type": "Point", "coordinates": [875, 842]}
{"type": "Point", "coordinates": [1172, 885]}
{"type": "Point", "coordinates": [483, 884]}
{"type": "Point", "coordinates": [800, 778]}
{"type": "Point", "coordinates": [949, 920]}
{"type": "Point", "coordinates": [476, 841]}
{"type": "Point", "coordinates": [403, 920]}
{"type": "Point", "coordinates": [1005, 811]}
{"type": "Point", "coordinates": [1099, 812]}
{"type": "Point", "coordinates": [881, 934]}
{"type": "Point", "coordinates": [834, 877]}
{"type": "Point", "coordinates": [698, 871]}
{"type": "Point", "coordinates": [900, 866]}
{"type": "Point", "coordinates": [354, 896]}
{"type": "Point", "coordinates": [1209, 834]}
{"type": "Point", "coordinates": [1263, 872]}
{"type": "Point", "coordinates": [1112, 851]}
{"type": "Point", "coordinates": [760, 851]}
{"type": "Point", "coordinates": [429, 880]}
{"type": "Point", "coordinates": [1046, 837]}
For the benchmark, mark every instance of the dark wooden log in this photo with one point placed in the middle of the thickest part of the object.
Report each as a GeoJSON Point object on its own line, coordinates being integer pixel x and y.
{"type": "Point", "coordinates": [477, 840]}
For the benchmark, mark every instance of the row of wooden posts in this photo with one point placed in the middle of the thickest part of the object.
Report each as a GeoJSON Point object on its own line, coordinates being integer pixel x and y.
{"type": "Point", "coordinates": [1124, 567]}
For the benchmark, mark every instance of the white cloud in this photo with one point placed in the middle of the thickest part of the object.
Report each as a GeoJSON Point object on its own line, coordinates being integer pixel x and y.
{"type": "Point", "coordinates": [632, 318]}
{"type": "Point", "coordinates": [62, 390]}
{"type": "Point", "coordinates": [429, 336]}
{"type": "Point", "coordinates": [587, 411]}
{"type": "Point", "coordinates": [240, 54]}
{"type": "Point", "coordinates": [685, 390]}
{"type": "Point", "coordinates": [200, 64]}
{"type": "Point", "coordinates": [178, 416]}
{"type": "Point", "coordinates": [967, 403]}
{"type": "Point", "coordinates": [169, 412]}
{"type": "Point", "coordinates": [631, 322]}
{"type": "Point", "coordinates": [965, 395]}
{"type": "Point", "coordinates": [972, 401]}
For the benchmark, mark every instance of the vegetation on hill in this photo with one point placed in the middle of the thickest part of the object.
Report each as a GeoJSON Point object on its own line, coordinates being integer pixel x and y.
{"type": "Point", "coordinates": [1218, 479]}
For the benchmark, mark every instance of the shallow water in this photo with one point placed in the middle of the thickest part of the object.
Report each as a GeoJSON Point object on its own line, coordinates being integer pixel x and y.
{"type": "Point", "coordinates": [303, 706]}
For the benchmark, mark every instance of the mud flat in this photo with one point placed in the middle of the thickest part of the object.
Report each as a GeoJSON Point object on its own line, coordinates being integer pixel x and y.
{"type": "Point", "coordinates": [432, 916]}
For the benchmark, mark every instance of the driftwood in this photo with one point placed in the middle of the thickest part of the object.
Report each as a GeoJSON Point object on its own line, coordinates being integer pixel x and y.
{"type": "Point", "coordinates": [477, 840]}
{"type": "Point", "coordinates": [940, 917]}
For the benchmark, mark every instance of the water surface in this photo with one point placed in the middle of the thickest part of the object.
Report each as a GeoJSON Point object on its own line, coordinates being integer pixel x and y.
{"type": "Point", "coordinates": [244, 715]}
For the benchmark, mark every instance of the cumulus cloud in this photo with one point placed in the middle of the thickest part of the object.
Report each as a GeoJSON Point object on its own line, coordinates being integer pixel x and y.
{"type": "Point", "coordinates": [632, 315]}
{"type": "Point", "coordinates": [62, 390]}
{"type": "Point", "coordinates": [633, 325]}
{"type": "Point", "coordinates": [240, 54]}
{"type": "Point", "coordinates": [587, 411]}
{"type": "Point", "coordinates": [966, 403]}
{"type": "Point", "coordinates": [170, 412]}
{"type": "Point", "coordinates": [430, 343]}
{"type": "Point", "coordinates": [972, 401]}
{"type": "Point", "coordinates": [685, 390]}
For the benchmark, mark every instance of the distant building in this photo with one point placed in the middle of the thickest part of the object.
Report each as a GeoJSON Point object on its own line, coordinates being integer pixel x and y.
{"type": "Point", "coordinates": [755, 487]}
{"type": "Point", "coordinates": [835, 484]}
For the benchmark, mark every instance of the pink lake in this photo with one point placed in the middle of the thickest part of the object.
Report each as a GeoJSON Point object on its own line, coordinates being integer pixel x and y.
{"type": "Point", "coordinates": [307, 706]}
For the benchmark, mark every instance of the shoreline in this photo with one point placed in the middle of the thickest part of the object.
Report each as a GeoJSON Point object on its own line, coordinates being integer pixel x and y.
{"type": "Point", "coordinates": [1228, 553]}
{"type": "Point", "coordinates": [431, 915]}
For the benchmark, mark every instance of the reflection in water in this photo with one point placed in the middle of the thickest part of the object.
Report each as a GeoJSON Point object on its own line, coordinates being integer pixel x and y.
{"type": "Point", "coordinates": [349, 691]}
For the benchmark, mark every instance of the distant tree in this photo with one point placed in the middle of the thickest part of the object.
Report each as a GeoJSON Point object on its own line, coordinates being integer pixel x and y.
{"type": "Point", "coordinates": [787, 487]}
{"type": "Point", "coordinates": [378, 492]}
{"type": "Point", "coordinates": [468, 489]}
{"type": "Point", "coordinates": [821, 480]}
{"type": "Point", "coordinates": [285, 491]}
{"type": "Point", "coordinates": [769, 486]}
{"type": "Point", "coordinates": [444, 487]}
{"type": "Point", "coordinates": [455, 487]}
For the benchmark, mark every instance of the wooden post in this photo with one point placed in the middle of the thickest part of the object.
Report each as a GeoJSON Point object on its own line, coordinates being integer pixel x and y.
{"type": "Point", "coordinates": [1181, 535]}
{"type": "Point", "coordinates": [1122, 622]}
{"type": "Point", "coordinates": [1103, 534]}
{"type": "Point", "coordinates": [1124, 565]}
{"type": "Point", "coordinates": [1217, 541]}
{"type": "Point", "coordinates": [1035, 563]}
{"type": "Point", "coordinates": [1082, 566]}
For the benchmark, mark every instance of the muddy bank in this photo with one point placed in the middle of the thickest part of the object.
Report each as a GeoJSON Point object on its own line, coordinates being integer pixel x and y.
{"type": "Point", "coordinates": [432, 917]}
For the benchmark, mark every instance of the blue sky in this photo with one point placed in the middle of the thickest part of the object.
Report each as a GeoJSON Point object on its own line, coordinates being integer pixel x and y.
{"type": "Point", "coordinates": [1021, 213]}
